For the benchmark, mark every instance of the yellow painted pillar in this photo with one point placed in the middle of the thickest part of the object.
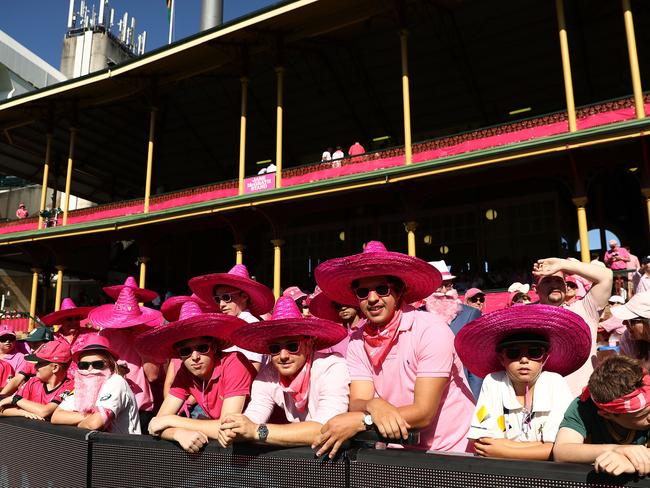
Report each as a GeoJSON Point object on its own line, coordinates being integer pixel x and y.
{"type": "Point", "coordinates": [242, 133]}
{"type": "Point", "coordinates": [33, 298]}
{"type": "Point", "coordinates": [59, 287]}
{"type": "Point", "coordinates": [143, 271]}
{"type": "Point", "coordinates": [406, 97]}
{"type": "Point", "coordinates": [277, 254]}
{"type": "Point", "coordinates": [46, 171]}
{"type": "Point", "coordinates": [634, 60]}
{"type": "Point", "coordinates": [583, 230]}
{"type": "Point", "coordinates": [239, 253]}
{"type": "Point", "coordinates": [410, 231]}
{"type": "Point", "coordinates": [68, 175]}
{"type": "Point", "coordinates": [150, 145]}
{"type": "Point", "coordinates": [566, 65]}
{"type": "Point", "coordinates": [279, 111]}
{"type": "Point", "coordinates": [646, 194]}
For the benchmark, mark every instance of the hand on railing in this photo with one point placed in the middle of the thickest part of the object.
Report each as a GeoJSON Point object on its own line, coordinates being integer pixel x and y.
{"type": "Point", "coordinates": [372, 436]}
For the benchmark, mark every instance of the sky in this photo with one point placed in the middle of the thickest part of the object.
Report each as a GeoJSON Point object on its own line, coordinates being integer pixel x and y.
{"type": "Point", "coordinates": [40, 25]}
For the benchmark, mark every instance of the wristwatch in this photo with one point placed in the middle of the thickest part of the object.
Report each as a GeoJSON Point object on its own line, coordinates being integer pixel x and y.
{"type": "Point", "coordinates": [262, 432]}
{"type": "Point", "coordinates": [367, 421]}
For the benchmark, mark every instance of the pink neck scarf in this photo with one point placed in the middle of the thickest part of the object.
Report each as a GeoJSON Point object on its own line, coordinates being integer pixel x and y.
{"type": "Point", "coordinates": [633, 402]}
{"type": "Point", "coordinates": [298, 387]}
{"type": "Point", "coordinates": [377, 343]}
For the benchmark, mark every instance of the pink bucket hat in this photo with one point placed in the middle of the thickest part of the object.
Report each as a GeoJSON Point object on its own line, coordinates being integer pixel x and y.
{"type": "Point", "coordinates": [287, 321]}
{"type": "Point", "coordinates": [142, 294]}
{"type": "Point", "coordinates": [91, 342]}
{"type": "Point", "coordinates": [158, 343]}
{"type": "Point", "coordinates": [568, 335]}
{"type": "Point", "coordinates": [68, 310]}
{"type": "Point", "coordinates": [294, 293]}
{"type": "Point", "coordinates": [335, 276]}
{"type": "Point", "coordinates": [124, 313]}
{"type": "Point", "coordinates": [171, 309]}
{"type": "Point", "coordinates": [321, 306]}
{"type": "Point", "coordinates": [261, 298]}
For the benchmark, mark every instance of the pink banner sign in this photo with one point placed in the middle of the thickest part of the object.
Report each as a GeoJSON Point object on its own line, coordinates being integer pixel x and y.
{"type": "Point", "coordinates": [259, 183]}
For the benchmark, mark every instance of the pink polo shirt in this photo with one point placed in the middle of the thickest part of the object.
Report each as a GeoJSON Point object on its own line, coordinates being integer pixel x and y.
{"type": "Point", "coordinates": [232, 376]}
{"type": "Point", "coordinates": [329, 392]}
{"type": "Point", "coordinates": [36, 391]}
{"type": "Point", "coordinates": [6, 372]}
{"type": "Point", "coordinates": [16, 359]}
{"type": "Point", "coordinates": [424, 349]}
{"type": "Point", "coordinates": [622, 253]}
{"type": "Point", "coordinates": [123, 344]}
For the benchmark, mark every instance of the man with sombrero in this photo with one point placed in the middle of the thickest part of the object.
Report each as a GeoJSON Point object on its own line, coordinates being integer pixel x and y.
{"type": "Point", "coordinates": [404, 370]}
{"type": "Point", "coordinates": [68, 319]}
{"type": "Point", "coordinates": [311, 387]}
{"type": "Point", "coordinates": [219, 381]}
{"type": "Point", "coordinates": [236, 294]}
{"type": "Point", "coordinates": [523, 353]}
{"type": "Point", "coordinates": [323, 307]}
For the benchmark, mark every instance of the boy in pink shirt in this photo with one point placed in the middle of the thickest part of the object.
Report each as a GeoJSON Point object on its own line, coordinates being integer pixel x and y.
{"type": "Point", "coordinates": [311, 387]}
{"type": "Point", "coordinates": [404, 369]}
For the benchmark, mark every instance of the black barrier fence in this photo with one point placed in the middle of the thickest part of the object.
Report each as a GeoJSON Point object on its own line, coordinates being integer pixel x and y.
{"type": "Point", "coordinates": [39, 455]}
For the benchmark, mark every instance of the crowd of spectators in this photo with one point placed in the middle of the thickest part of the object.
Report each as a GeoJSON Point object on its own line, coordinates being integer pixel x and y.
{"type": "Point", "coordinates": [384, 342]}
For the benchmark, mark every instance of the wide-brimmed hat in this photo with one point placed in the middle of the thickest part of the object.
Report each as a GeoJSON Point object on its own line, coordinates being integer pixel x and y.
{"type": "Point", "coordinates": [142, 294]}
{"type": "Point", "coordinates": [158, 343]}
{"type": "Point", "coordinates": [125, 312]}
{"type": "Point", "coordinates": [68, 310]}
{"type": "Point", "coordinates": [637, 306]}
{"type": "Point", "coordinates": [443, 268]}
{"type": "Point", "coordinates": [323, 307]}
{"type": "Point", "coordinates": [335, 276]}
{"type": "Point", "coordinates": [171, 309]}
{"type": "Point", "coordinates": [92, 342]}
{"type": "Point", "coordinates": [261, 297]}
{"type": "Point", "coordinates": [287, 321]}
{"type": "Point", "coordinates": [567, 333]}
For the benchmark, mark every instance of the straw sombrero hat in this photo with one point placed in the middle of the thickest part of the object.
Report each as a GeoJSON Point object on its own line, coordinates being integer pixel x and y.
{"type": "Point", "coordinates": [287, 321]}
{"type": "Point", "coordinates": [158, 343]}
{"type": "Point", "coordinates": [68, 310]}
{"type": "Point", "coordinates": [125, 312]}
{"type": "Point", "coordinates": [171, 309]}
{"type": "Point", "coordinates": [142, 294]}
{"type": "Point", "coordinates": [568, 335]}
{"type": "Point", "coordinates": [335, 276]}
{"type": "Point", "coordinates": [261, 298]}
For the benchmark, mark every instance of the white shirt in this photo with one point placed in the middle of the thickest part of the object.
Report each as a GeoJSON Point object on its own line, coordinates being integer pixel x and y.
{"type": "Point", "coordinates": [327, 156]}
{"type": "Point", "coordinates": [498, 413]}
{"type": "Point", "coordinates": [641, 282]}
{"type": "Point", "coordinates": [338, 154]}
{"type": "Point", "coordinates": [115, 395]}
{"type": "Point", "coordinates": [255, 357]}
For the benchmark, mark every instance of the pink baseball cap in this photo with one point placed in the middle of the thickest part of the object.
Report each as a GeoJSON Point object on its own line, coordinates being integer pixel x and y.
{"type": "Point", "coordinates": [637, 306]}
{"type": "Point", "coordinates": [472, 292]}
{"type": "Point", "coordinates": [51, 352]}
{"type": "Point", "coordinates": [294, 293]}
{"type": "Point", "coordinates": [5, 330]}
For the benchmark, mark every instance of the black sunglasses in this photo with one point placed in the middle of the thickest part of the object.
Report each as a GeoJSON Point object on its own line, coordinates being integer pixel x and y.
{"type": "Point", "coordinates": [293, 347]}
{"type": "Point", "coordinates": [186, 351]}
{"type": "Point", "coordinates": [84, 365]}
{"type": "Point", "coordinates": [477, 299]}
{"type": "Point", "coordinates": [534, 353]}
{"type": "Point", "coordinates": [380, 290]}
{"type": "Point", "coordinates": [7, 338]}
{"type": "Point", "coordinates": [226, 297]}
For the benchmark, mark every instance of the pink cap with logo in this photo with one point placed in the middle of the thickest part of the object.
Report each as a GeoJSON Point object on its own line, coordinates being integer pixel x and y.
{"type": "Point", "coordinates": [51, 352]}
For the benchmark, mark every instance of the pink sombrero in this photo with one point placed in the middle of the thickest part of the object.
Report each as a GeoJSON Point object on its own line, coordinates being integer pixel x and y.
{"type": "Point", "coordinates": [158, 343]}
{"type": "Point", "coordinates": [68, 310]}
{"type": "Point", "coordinates": [125, 312]}
{"type": "Point", "coordinates": [142, 294]}
{"type": "Point", "coordinates": [568, 335]}
{"type": "Point", "coordinates": [287, 321]}
{"type": "Point", "coordinates": [261, 298]}
{"type": "Point", "coordinates": [335, 276]}
{"type": "Point", "coordinates": [321, 306]}
{"type": "Point", "coordinates": [171, 309]}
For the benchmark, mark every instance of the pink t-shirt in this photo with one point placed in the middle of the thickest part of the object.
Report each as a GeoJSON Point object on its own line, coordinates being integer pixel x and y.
{"type": "Point", "coordinates": [231, 377]}
{"type": "Point", "coordinates": [622, 253]}
{"type": "Point", "coordinates": [6, 372]}
{"type": "Point", "coordinates": [424, 349]}
{"type": "Point", "coordinates": [123, 344]}
{"type": "Point", "coordinates": [16, 359]}
{"type": "Point", "coordinates": [36, 391]}
{"type": "Point", "coordinates": [329, 392]}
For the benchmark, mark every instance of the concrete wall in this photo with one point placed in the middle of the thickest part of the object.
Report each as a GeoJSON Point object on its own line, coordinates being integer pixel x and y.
{"type": "Point", "coordinates": [88, 52]}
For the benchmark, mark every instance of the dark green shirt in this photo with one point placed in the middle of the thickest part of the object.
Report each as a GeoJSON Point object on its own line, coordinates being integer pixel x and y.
{"type": "Point", "coordinates": [583, 418]}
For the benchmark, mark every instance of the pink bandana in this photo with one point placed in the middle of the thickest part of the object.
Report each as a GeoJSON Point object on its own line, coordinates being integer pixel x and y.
{"type": "Point", "coordinates": [298, 388]}
{"type": "Point", "coordinates": [377, 343]}
{"type": "Point", "coordinates": [631, 403]}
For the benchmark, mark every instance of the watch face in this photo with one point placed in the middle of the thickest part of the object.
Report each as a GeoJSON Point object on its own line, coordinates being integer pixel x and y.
{"type": "Point", "coordinates": [263, 432]}
{"type": "Point", "coordinates": [367, 419]}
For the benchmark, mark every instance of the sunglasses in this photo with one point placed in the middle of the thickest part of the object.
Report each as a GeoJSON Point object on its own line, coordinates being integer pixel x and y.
{"type": "Point", "coordinates": [477, 299]}
{"type": "Point", "coordinates": [292, 347]}
{"type": "Point", "coordinates": [84, 365]}
{"type": "Point", "coordinates": [7, 338]}
{"type": "Point", "coordinates": [534, 353]}
{"type": "Point", "coordinates": [186, 351]}
{"type": "Point", "coordinates": [380, 290]}
{"type": "Point", "coordinates": [226, 297]}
